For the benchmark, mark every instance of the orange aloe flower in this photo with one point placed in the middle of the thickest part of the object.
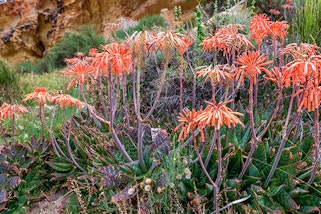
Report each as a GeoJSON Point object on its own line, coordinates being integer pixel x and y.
{"type": "Point", "coordinates": [116, 59]}
{"type": "Point", "coordinates": [7, 110]}
{"type": "Point", "coordinates": [278, 29]}
{"type": "Point", "coordinates": [311, 96]}
{"type": "Point", "coordinates": [40, 95]}
{"type": "Point", "coordinates": [300, 51]}
{"type": "Point", "coordinates": [65, 100]}
{"type": "Point", "coordinates": [182, 45]}
{"type": "Point", "coordinates": [251, 64]}
{"type": "Point", "coordinates": [306, 63]}
{"type": "Point", "coordinates": [217, 115]}
{"type": "Point", "coordinates": [218, 74]}
{"type": "Point", "coordinates": [82, 73]}
{"type": "Point", "coordinates": [227, 39]}
{"type": "Point", "coordinates": [259, 27]}
{"type": "Point", "coordinates": [187, 120]}
{"type": "Point", "coordinates": [169, 39]}
{"type": "Point", "coordinates": [280, 78]}
{"type": "Point", "coordinates": [92, 52]}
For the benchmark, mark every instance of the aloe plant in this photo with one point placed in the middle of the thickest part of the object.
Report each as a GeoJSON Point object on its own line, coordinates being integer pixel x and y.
{"type": "Point", "coordinates": [22, 174]}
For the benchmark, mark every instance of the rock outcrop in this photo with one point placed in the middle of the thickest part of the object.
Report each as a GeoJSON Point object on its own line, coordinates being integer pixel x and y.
{"type": "Point", "coordinates": [29, 27]}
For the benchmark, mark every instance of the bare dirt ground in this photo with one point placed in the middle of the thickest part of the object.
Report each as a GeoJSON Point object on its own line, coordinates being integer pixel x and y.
{"type": "Point", "coordinates": [53, 203]}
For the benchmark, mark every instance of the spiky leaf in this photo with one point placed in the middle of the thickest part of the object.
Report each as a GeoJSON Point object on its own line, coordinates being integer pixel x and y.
{"type": "Point", "coordinates": [298, 192]}
{"type": "Point", "coordinates": [112, 176]}
{"type": "Point", "coordinates": [13, 183]}
{"type": "Point", "coordinates": [309, 200]}
{"type": "Point", "coordinates": [4, 167]}
{"type": "Point", "coordinates": [286, 200]}
{"type": "Point", "coordinates": [309, 209]}
{"type": "Point", "coordinates": [3, 196]}
{"type": "Point", "coordinates": [3, 179]}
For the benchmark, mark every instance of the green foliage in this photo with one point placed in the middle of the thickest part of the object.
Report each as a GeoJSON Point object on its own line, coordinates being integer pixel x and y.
{"type": "Point", "coordinates": [308, 22]}
{"type": "Point", "coordinates": [66, 48]}
{"type": "Point", "coordinates": [145, 23]}
{"type": "Point", "coordinates": [23, 174]}
{"type": "Point", "coordinates": [9, 84]}
{"type": "Point", "coordinates": [200, 34]}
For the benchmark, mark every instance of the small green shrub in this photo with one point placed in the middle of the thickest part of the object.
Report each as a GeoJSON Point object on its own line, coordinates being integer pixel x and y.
{"type": "Point", "coordinates": [9, 84]}
{"type": "Point", "coordinates": [146, 23]}
{"type": "Point", "coordinates": [66, 48]}
{"type": "Point", "coordinates": [73, 43]}
{"type": "Point", "coordinates": [26, 67]}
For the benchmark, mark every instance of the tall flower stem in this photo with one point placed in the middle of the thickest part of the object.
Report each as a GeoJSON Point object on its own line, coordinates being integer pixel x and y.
{"type": "Point", "coordinates": [194, 81]}
{"type": "Point", "coordinates": [55, 144]}
{"type": "Point", "coordinates": [283, 141]}
{"type": "Point", "coordinates": [316, 148]}
{"type": "Point", "coordinates": [68, 144]}
{"type": "Point", "coordinates": [3, 133]}
{"type": "Point", "coordinates": [162, 81]}
{"type": "Point", "coordinates": [278, 101]}
{"type": "Point", "coordinates": [254, 139]}
{"type": "Point", "coordinates": [118, 143]}
{"type": "Point", "coordinates": [181, 83]}
{"type": "Point", "coordinates": [101, 96]}
{"type": "Point", "coordinates": [124, 92]}
{"type": "Point", "coordinates": [139, 123]}
{"type": "Point", "coordinates": [220, 168]}
{"type": "Point", "coordinates": [209, 155]}
{"type": "Point", "coordinates": [206, 173]}
{"type": "Point", "coordinates": [12, 131]}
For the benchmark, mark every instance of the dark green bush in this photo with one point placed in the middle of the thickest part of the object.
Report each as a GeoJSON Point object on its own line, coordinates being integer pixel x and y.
{"type": "Point", "coordinates": [146, 23]}
{"type": "Point", "coordinates": [66, 48]}
{"type": "Point", "coordinates": [73, 43]}
{"type": "Point", "coordinates": [9, 84]}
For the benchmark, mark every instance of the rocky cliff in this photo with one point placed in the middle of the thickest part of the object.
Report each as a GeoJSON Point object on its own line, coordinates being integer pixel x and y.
{"type": "Point", "coordinates": [29, 27]}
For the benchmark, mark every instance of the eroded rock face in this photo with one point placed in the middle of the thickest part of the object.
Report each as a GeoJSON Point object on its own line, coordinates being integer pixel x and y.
{"type": "Point", "coordinates": [29, 27]}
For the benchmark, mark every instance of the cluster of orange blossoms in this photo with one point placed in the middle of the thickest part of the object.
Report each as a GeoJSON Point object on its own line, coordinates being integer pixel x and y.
{"type": "Point", "coordinates": [7, 110]}
{"type": "Point", "coordinates": [216, 115]}
{"type": "Point", "coordinates": [117, 59]}
{"type": "Point", "coordinates": [41, 95]}
{"type": "Point", "coordinates": [227, 39]}
{"type": "Point", "coordinates": [261, 27]}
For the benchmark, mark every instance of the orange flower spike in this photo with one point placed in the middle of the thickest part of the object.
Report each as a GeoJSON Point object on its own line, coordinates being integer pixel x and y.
{"type": "Point", "coordinates": [280, 78]}
{"type": "Point", "coordinates": [217, 115]}
{"type": "Point", "coordinates": [218, 74]}
{"type": "Point", "coordinates": [65, 100]}
{"type": "Point", "coordinates": [18, 109]}
{"type": "Point", "coordinates": [40, 95]}
{"type": "Point", "coordinates": [188, 124]}
{"type": "Point", "coordinates": [259, 27]}
{"type": "Point", "coordinates": [100, 64]}
{"type": "Point", "coordinates": [183, 44]}
{"type": "Point", "coordinates": [251, 63]}
{"type": "Point", "coordinates": [81, 72]}
{"type": "Point", "coordinates": [7, 110]}
{"type": "Point", "coordinates": [116, 58]}
{"type": "Point", "coordinates": [278, 29]}
{"type": "Point", "coordinates": [120, 58]}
